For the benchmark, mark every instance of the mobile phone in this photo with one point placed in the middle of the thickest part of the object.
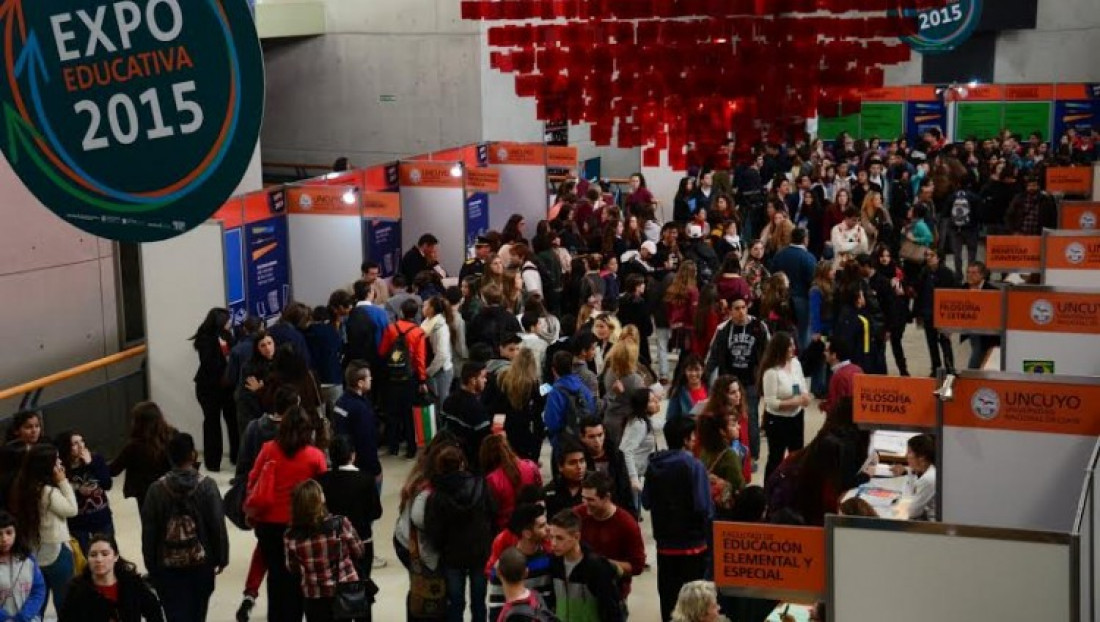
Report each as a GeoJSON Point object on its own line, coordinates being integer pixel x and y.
{"type": "Point", "coordinates": [797, 390]}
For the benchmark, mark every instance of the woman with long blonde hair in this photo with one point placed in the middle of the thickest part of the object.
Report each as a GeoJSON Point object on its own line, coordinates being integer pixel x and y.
{"type": "Point", "coordinates": [681, 300]}
{"type": "Point", "coordinates": [512, 292]}
{"type": "Point", "coordinates": [515, 394]}
{"type": "Point", "coordinates": [620, 378]}
{"type": "Point", "coordinates": [875, 219]}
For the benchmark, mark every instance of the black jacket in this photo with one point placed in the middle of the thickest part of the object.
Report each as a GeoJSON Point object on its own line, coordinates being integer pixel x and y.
{"type": "Point", "coordinates": [1048, 212]}
{"type": "Point", "coordinates": [523, 426]}
{"type": "Point", "coordinates": [137, 602]}
{"type": "Point", "coordinates": [459, 518]}
{"type": "Point", "coordinates": [737, 350]}
{"type": "Point", "coordinates": [352, 494]}
{"type": "Point", "coordinates": [927, 284]}
{"type": "Point", "coordinates": [464, 415]}
{"type": "Point", "coordinates": [636, 311]}
{"type": "Point", "coordinates": [212, 363]}
{"type": "Point", "coordinates": [198, 490]}
{"type": "Point", "coordinates": [412, 264]}
{"type": "Point", "coordinates": [622, 493]}
{"type": "Point", "coordinates": [488, 326]}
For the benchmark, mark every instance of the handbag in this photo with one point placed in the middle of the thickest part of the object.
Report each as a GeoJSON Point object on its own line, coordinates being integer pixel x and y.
{"type": "Point", "coordinates": [233, 502]}
{"type": "Point", "coordinates": [721, 491]}
{"type": "Point", "coordinates": [427, 588]}
{"type": "Point", "coordinates": [352, 599]}
{"type": "Point", "coordinates": [80, 562]}
{"type": "Point", "coordinates": [912, 252]}
{"type": "Point", "coordinates": [425, 418]}
{"type": "Point", "coordinates": [261, 495]}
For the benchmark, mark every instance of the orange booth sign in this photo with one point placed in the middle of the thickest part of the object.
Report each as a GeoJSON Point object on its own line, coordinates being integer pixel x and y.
{"type": "Point", "coordinates": [422, 174]}
{"type": "Point", "coordinates": [1022, 406]}
{"type": "Point", "coordinates": [893, 401]}
{"type": "Point", "coordinates": [480, 179]}
{"type": "Point", "coordinates": [561, 157]}
{"type": "Point", "coordinates": [382, 205]}
{"type": "Point", "coordinates": [970, 311]}
{"type": "Point", "coordinates": [769, 560]}
{"type": "Point", "coordinates": [517, 154]}
{"type": "Point", "coordinates": [1071, 252]}
{"type": "Point", "coordinates": [1078, 215]}
{"type": "Point", "coordinates": [327, 200]}
{"type": "Point", "coordinates": [1053, 312]}
{"type": "Point", "coordinates": [1072, 180]}
{"type": "Point", "coordinates": [1013, 253]}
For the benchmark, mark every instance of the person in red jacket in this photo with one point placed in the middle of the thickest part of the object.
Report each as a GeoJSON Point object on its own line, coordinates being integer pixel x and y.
{"type": "Point", "coordinates": [290, 459]}
{"type": "Point", "coordinates": [610, 531]}
{"type": "Point", "coordinates": [404, 356]}
{"type": "Point", "coordinates": [837, 355]}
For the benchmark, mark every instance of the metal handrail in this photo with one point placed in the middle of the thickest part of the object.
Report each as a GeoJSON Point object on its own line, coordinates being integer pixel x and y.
{"type": "Point", "coordinates": [34, 387]}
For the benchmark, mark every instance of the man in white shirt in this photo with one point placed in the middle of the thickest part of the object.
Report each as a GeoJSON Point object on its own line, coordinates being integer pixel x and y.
{"type": "Point", "coordinates": [920, 482]}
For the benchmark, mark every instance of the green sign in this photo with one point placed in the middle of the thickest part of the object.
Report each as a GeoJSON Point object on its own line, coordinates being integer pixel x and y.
{"type": "Point", "coordinates": [133, 119]}
{"type": "Point", "coordinates": [828, 128]}
{"type": "Point", "coordinates": [941, 28]}
{"type": "Point", "coordinates": [887, 121]}
{"type": "Point", "coordinates": [1038, 367]}
{"type": "Point", "coordinates": [1023, 118]}
{"type": "Point", "coordinates": [979, 120]}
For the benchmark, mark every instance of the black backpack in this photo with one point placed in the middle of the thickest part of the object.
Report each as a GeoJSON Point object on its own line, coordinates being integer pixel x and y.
{"type": "Point", "coordinates": [399, 359]}
{"type": "Point", "coordinates": [576, 408]}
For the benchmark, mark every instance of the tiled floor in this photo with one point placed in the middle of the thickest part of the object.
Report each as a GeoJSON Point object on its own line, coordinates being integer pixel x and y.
{"type": "Point", "coordinates": [392, 580]}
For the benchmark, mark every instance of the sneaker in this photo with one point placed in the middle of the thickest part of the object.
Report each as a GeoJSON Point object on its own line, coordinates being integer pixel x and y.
{"type": "Point", "coordinates": [245, 609]}
{"type": "Point", "coordinates": [378, 562]}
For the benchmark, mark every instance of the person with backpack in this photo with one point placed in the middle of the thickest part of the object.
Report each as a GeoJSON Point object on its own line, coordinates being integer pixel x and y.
{"type": "Point", "coordinates": [321, 550]}
{"type": "Point", "coordinates": [458, 519]}
{"type": "Point", "coordinates": [404, 354]}
{"type": "Point", "coordinates": [964, 222]}
{"type": "Point", "coordinates": [184, 541]}
{"type": "Point", "coordinates": [521, 603]}
{"type": "Point", "coordinates": [568, 402]}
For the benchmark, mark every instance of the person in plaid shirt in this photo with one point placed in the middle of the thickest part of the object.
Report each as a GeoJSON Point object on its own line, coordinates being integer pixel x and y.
{"type": "Point", "coordinates": [318, 543]}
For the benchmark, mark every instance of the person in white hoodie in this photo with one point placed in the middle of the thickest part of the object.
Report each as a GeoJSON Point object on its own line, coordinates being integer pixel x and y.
{"type": "Point", "coordinates": [21, 581]}
{"type": "Point", "coordinates": [437, 325]}
{"type": "Point", "coordinates": [42, 501]}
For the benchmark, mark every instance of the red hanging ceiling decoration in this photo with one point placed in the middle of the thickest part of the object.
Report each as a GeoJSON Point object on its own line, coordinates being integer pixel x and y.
{"type": "Point", "coordinates": [680, 75]}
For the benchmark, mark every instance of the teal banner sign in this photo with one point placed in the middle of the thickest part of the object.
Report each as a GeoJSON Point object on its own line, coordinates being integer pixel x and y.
{"type": "Point", "coordinates": [940, 28]}
{"type": "Point", "coordinates": [133, 120]}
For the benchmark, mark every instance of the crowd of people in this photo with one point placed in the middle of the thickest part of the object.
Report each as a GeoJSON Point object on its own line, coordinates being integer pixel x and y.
{"type": "Point", "coordinates": [773, 284]}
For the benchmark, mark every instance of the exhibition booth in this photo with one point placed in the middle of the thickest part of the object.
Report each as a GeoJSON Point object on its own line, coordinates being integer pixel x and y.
{"type": "Point", "coordinates": [1017, 456]}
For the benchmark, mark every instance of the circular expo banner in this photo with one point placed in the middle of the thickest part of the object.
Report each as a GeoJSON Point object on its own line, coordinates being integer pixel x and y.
{"type": "Point", "coordinates": [133, 120]}
{"type": "Point", "coordinates": [935, 30]}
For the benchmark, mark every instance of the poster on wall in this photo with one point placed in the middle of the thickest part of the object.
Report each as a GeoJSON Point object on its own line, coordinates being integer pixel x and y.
{"type": "Point", "coordinates": [383, 239]}
{"type": "Point", "coordinates": [885, 121]}
{"type": "Point", "coordinates": [234, 275]}
{"type": "Point", "coordinates": [1023, 118]}
{"type": "Point", "coordinates": [267, 263]}
{"type": "Point", "coordinates": [828, 128]}
{"type": "Point", "coordinates": [477, 219]}
{"type": "Point", "coordinates": [979, 120]}
{"type": "Point", "coordinates": [922, 116]}
{"type": "Point", "coordinates": [1077, 107]}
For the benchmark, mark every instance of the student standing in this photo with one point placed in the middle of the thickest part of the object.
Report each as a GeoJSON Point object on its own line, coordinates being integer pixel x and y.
{"type": "Point", "coordinates": [91, 479]}
{"type": "Point", "coordinates": [183, 536]}
{"type": "Point", "coordinates": [677, 494]}
{"type": "Point", "coordinates": [213, 341]}
{"type": "Point", "coordinates": [352, 494]}
{"type": "Point", "coordinates": [321, 550]}
{"type": "Point", "coordinates": [786, 395]}
{"type": "Point", "coordinates": [144, 458]}
{"type": "Point", "coordinates": [20, 578]}
{"type": "Point", "coordinates": [585, 587]}
{"type": "Point", "coordinates": [531, 531]}
{"type": "Point", "coordinates": [521, 603]}
{"type": "Point", "coordinates": [610, 531]}
{"type": "Point", "coordinates": [110, 588]}
{"type": "Point", "coordinates": [404, 352]}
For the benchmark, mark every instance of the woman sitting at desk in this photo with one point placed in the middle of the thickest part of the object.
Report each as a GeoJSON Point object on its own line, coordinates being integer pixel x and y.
{"type": "Point", "coordinates": [920, 483]}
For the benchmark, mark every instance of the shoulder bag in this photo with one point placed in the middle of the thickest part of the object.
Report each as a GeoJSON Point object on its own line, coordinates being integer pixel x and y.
{"type": "Point", "coordinates": [352, 599]}
{"type": "Point", "coordinates": [427, 588]}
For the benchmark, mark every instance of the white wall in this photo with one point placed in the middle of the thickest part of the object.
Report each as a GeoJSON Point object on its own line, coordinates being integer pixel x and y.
{"type": "Point", "coordinates": [1062, 47]}
{"type": "Point", "coordinates": [58, 288]}
{"type": "Point", "coordinates": [323, 93]}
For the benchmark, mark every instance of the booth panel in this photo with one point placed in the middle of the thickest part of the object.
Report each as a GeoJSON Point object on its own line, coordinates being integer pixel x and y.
{"type": "Point", "coordinates": [522, 191]}
{"type": "Point", "coordinates": [441, 212]}
{"type": "Point", "coordinates": [1056, 353]}
{"type": "Point", "coordinates": [1071, 278]}
{"type": "Point", "coordinates": [1085, 561]}
{"type": "Point", "coordinates": [1019, 480]}
{"type": "Point", "coordinates": [1091, 552]}
{"type": "Point", "coordinates": [325, 255]}
{"type": "Point", "coordinates": [917, 577]}
{"type": "Point", "coordinates": [200, 281]}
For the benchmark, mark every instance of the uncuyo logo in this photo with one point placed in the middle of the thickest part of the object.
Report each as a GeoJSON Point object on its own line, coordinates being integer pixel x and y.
{"type": "Point", "coordinates": [1075, 253]}
{"type": "Point", "coordinates": [1087, 220]}
{"type": "Point", "coordinates": [305, 202]}
{"type": "Point", "coordinates": [1042, 312]}
{"type": "Point", "coordinates": [985, 404]}
{"type": "Point", "coordinates": [415, 176]}
{"type": "Point", "coordinates": [502, 154]}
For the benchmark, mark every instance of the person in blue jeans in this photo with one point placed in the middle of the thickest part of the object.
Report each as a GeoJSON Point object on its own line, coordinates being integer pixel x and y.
{"type": "Point", "coordinates": [799, 265]}
{"type": "Point", "coordinates": [458, 520]}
